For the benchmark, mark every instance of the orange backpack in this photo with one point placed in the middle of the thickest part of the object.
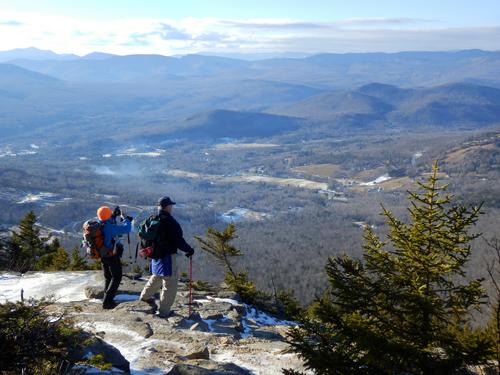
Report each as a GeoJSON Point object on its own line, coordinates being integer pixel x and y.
{"type": "Point", "coordinates": [93, 239]}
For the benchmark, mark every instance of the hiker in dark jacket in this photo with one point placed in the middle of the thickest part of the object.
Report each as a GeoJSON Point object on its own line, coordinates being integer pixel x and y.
{"type": "Point", "coordinates": [111, 265]}
{"type": "Point", "coordinates": [164, 269]}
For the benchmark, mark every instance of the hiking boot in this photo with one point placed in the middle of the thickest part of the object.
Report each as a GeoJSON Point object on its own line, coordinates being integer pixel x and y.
{"type": "Point", "coordinates": [166, 316]}
{"type": "Point", "coordinates": [109, 305]}
{"type": "Point", "coordinates": [149, 301]}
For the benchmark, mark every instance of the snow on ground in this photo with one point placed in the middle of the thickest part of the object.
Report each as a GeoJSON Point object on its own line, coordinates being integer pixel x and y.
{"type": "Point", "coordinates": [42, 198]}
{"type": "Point", "coordinates": [255, 358]}
{"type": "Point", "coordinates": [135, 152]}
{"type": "Point", "coordinates": [416, 156]}
{"type": "Point", "coordinates": [242, 214]}
{"type": "Point", "coordinates": [249, 178]}
{"type": "Point", "coordinates": [103, 170]}
{"type": "Point", "coordinates": [243, 146]}
{"type": "Point", "coordinates": [264, 319]}
{"type": "Point", "coordinates": [378, 180]}
{"type": "Point", "coordinates": [130, 344]}
{"type": "Point", "coordinates": [252, 316]}
{"type": "Point", "coordinates": [9, 152]}
{"type": "Point", "coordinates": [227, 300]}
{"type": "Point", "coordinates": [30, 198]}
{"type": "Point", "coordinates": [265, 363]}
{"type": "Point", "coordinates": [63, 286]}
{"type": "Point", "coordinates": [27, 152]}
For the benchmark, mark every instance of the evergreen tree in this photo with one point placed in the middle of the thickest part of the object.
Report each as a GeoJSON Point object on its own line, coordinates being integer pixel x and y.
{"type": "Point", "coordinates": [493, 328]}
{"type": "Point", "coordinates": [404, 308]}
{"type": "Point", "coordinates": [218, 244]}
{"type": "Point", "coordinates": [4, 254]}
{"type": "Point", "coordinates": [78, 263]}
{"type": "Point", "coordinates": [33, 342]}
{"type": "Point", "coordinates": [60, 260]}
{"type": "Point", "coordinates": [45, 261]}
{"type": "Point", "coordinates": [27, 245]}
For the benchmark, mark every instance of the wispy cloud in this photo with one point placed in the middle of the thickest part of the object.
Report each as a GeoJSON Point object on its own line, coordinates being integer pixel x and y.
{"type": "Point", "coordinates": [169, 32]}
{"type": "Point", "coordinates": [274, 25]}
{"type": "Point", "coordinates": [191, 35]}
{"type": "Point", "coordinates": [378, 22]}
{"type": "Point", "coordinates": [11, 23]}
{"type": "Point", "coordinates": [350, 22]}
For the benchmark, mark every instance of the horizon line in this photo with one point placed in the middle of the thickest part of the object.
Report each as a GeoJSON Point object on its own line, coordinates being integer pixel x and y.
{"type": "Point", "coordinates": [221, 54]}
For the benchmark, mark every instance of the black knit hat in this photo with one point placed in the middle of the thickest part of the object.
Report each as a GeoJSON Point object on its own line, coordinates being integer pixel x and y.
{"type": "Point", "coordinates": [165, 201]}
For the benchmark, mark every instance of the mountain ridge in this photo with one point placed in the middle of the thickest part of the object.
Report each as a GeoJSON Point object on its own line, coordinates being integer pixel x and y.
{"type": "Point", "coordinates": [412, 68]}
{"type": "Point", "coordinates": [454, 103]}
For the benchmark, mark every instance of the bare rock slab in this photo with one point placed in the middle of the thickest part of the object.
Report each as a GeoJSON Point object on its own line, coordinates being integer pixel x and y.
{"type": "Point", "coordinates": [198, 353]}
{"type": "Point", "coordinates": [207, 367]}
{"type": "Point", "coordinates": [94, 292]}
{"type": "Point", "coordinates": [136, 307]}
{"type": "Point", "coordinates": [215, 310]}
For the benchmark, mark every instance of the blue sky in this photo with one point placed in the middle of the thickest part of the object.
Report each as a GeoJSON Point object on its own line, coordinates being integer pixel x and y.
{"type": "Point", "coordinates": [171, 27]}
{"type": "Point", "coordinates": [446, 12]}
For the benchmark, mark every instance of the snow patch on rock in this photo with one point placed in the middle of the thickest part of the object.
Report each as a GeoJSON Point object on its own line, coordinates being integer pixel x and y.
{"type": "Point", "coordinates": [63, 286]}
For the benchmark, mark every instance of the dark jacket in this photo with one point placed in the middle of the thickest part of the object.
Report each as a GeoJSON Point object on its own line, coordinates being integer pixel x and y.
{"type": "Point", "coordinates": [170, 237]}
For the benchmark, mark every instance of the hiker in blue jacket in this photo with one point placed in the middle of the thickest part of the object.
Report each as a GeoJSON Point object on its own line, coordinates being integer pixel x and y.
{"type": "Point", "coordinates": [111, 265]}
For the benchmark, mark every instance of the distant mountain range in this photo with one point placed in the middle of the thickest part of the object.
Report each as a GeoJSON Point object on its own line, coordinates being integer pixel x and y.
{"type": "Point", "coordinates": [34, 54]}
{"type": "Point", "coordinates": [61, 96]}
{"type": "Point", "coordinates": [325, 71]}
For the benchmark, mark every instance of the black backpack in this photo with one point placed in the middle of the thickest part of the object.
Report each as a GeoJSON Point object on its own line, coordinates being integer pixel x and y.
{"type": "Point", "coordinates": [149, 233]}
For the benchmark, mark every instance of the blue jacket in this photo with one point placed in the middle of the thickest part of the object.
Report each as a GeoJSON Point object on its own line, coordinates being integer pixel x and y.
{"type": "Point", "coordinates": [163, 266]}
{"type": "Point", "coordinates": [112, 229]}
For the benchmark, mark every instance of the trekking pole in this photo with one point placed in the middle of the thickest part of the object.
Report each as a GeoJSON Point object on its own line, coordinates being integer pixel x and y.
{"type": "Point", "coordinates": [190, 285]}
{"type": "Point", "coordinates": [129, 251]}
{"type": "Point", "coordinates": [136, 251]}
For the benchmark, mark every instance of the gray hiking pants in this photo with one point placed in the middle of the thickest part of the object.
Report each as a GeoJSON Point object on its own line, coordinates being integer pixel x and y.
{"type": "Point", "coordinates": [168, 285]}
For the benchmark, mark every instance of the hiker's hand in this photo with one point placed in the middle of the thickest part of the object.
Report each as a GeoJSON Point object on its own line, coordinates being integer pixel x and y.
{"type": "Point", "coordinates": [129, 218]}
{"type": "Point", "coordinates": [190, 253]}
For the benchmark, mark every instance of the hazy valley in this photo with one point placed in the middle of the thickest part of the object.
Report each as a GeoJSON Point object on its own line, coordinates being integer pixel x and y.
{"type": "Point", "coordinates": [300, 153]}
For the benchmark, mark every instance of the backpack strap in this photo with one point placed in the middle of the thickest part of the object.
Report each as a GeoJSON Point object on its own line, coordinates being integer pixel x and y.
{"type": "Point", "coordinates": [106, 251]}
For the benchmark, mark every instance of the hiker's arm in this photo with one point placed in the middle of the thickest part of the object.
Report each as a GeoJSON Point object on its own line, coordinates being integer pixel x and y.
{"type": "Point", "coordinates": [180, 242]}
{"type": "Point", "coordinates": [122, 228]}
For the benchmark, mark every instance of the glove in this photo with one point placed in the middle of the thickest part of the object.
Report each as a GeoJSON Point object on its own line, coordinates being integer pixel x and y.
{"type": "Point", "coordinates": [190, 253]}
{"type": "Point", "coordinates": [129, 218]}
{"type": "Point", "coordinates": [117, 212]}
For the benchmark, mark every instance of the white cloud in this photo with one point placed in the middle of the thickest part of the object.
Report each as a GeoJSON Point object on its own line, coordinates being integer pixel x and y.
{"type": "Point", "coordinates": [190, 35]}
{"type": "Point", "coordinates": [10, 23]}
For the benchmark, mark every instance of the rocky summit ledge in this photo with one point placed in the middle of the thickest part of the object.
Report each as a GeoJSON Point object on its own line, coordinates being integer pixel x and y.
{"type": "Point", "coordinates": [221, 336]}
